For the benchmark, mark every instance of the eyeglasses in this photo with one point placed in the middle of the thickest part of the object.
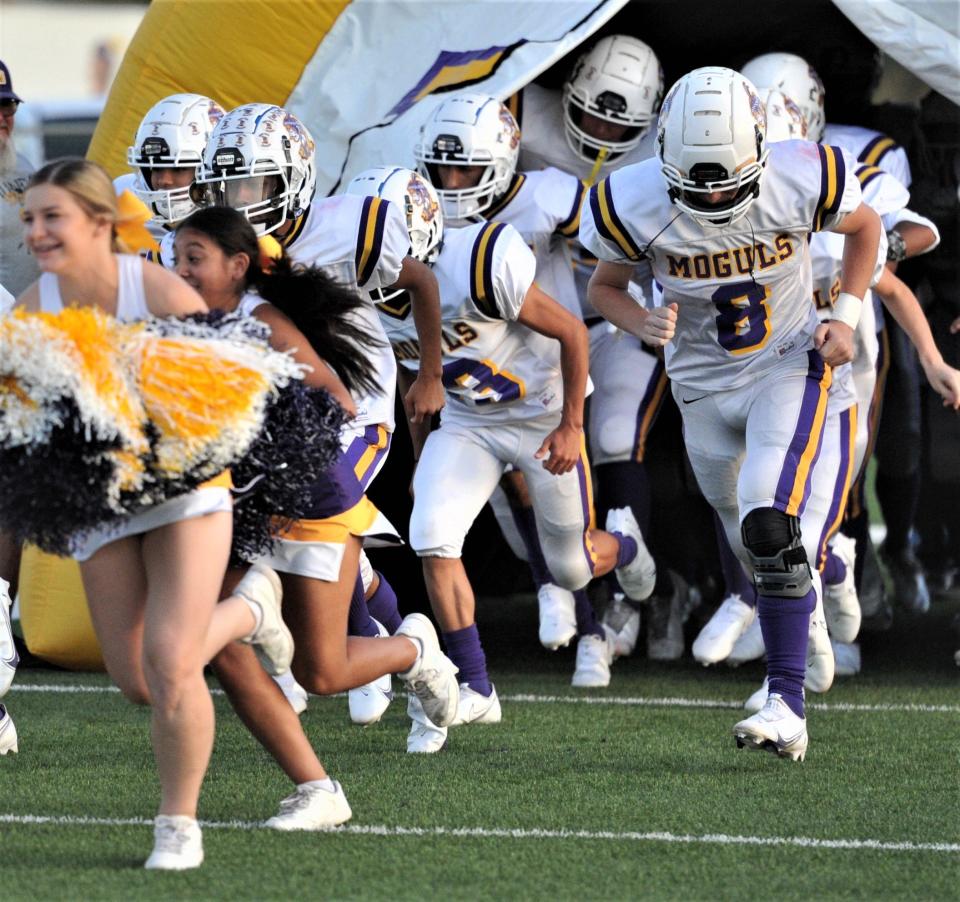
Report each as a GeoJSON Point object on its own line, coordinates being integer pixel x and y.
{"type": "Point", "coordinates": [8, 106]}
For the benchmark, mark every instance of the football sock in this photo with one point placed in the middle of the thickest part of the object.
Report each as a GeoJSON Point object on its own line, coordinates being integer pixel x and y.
{"type": "Point", "coordinates": [623, 484]}
{"type": "Point", "coordinates": [627, 549]}
{"type": "Point", "coordinates": [463, 647]}
{"type": "Point", "coordinates": [359, 621]}
{"type": "Point", "coordinates": [326, 784]}
{"type": "Point", "coordinates": [383, 605]}
{"type": "Point", "coordinates": [858, 528]}
{"type": "Point", "coordinates": [785, 624]}
{"type": "Point", "coordinates": [526, 523]}
{"type": "Point", "coordinates": [834, 570]}
{"type": "Point", "coordinates": [898, 497]}
{"type": "Point", "coordinates": [587, 623]}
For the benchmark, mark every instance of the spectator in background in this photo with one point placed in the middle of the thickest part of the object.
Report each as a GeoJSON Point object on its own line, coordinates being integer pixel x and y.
{"type": "Point", "coordinates": [17, 268]}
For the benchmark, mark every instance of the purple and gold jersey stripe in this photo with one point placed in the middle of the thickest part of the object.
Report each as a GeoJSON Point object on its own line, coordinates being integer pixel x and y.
{"type": "Point", "coordinates": [514, 103]}
{"type": "Point", "coordinates": [857, 502]}
{"type": "Point", "coordinates": [515, 186]}
{"type": "Point", "coordinates": [848, 440]}
{"type": "Point", "coordinates": [866, 174]}
{"type": "Point", "coordinates": [793, 487]}
{"type": "Point", "coordinates": [295, 232]}
{"type": "Point", "coordinates": [370, 237]}
{"type": "Point", "coordinates": [355, 521]}
{"type": "Point", "coordinates": [366, 452]}
{"type": "Point", "coordinates": [586, 501]}
{"type": "Point", "coordinates": [608, 221]}
{"type": "Point", "coordinates": [481, 270]}
{"type": "Point", "coordinates": [650, 406]}
{"type": "Point", "coordinates": [571, 225]}
{"type": "Point", "coordinates": [876, 149]}
{"type": "Point", "coordinates": [833, 175]}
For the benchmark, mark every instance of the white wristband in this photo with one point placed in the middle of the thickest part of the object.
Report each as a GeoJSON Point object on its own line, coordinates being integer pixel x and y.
{"type": "Point", "coordinates": [846, 309]}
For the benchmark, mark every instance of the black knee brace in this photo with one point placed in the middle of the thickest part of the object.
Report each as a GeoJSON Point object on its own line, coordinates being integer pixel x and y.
{"type": "Point", "coordinates": [772, 539]}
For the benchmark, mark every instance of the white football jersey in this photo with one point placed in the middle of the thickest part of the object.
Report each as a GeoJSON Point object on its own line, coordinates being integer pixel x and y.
{"type": "Point", "coordinates": [872, 148]}
{"type": "Point", "coordinates": [744, 289]}
{"type": "Point", "coordinates": [544, 207]}
{"type": "Point", "coordinates": [494, 368]}
{"type": "Point", "coordinates": [361, 243]}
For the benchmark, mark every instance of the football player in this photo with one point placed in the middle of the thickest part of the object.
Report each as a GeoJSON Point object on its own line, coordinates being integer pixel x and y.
{"type": "Point", "coordinates": [724, 220]}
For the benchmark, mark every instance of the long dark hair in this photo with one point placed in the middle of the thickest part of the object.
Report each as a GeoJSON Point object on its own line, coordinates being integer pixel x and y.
{"type": "Point", "coordinates": [322, 309]}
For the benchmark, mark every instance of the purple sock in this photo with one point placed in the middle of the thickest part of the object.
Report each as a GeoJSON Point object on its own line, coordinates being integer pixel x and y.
{"type": "Point", "coordinates": [834, 570]}
{"type": "Point", "coordinates": [587, 623]}
{"type": "Point", "coordinates": [526, 523]}
{"type": "Point", "coordinates": [383, 605]}
{"type": "Point", "coordinates": [359, 621]}
{"type": "Point", "coordinates": [627, 549]}
{"type": "Point", "coordinates": [735, 578]}
{"type": "Point", "coordinates": [785, 624]}
{"type": "Point", "coordinates": [463, 647]}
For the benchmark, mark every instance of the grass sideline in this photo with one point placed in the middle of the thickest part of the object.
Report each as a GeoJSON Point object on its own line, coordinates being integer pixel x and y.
{"type": "Point", "coordinates": [609, 774]}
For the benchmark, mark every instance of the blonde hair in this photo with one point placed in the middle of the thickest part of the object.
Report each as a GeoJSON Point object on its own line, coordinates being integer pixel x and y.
{"type": "Point", "coordinates": [90, 186]}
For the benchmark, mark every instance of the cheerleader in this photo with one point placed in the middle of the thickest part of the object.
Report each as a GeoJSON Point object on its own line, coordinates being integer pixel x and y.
{"type": "Point", "coordinates": [217, 253]}
{"type": "Point", "coordinates": [152, 579]}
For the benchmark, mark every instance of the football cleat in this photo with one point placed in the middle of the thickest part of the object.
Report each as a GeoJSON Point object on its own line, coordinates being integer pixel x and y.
{"type": "Point", "coordinates": [425, 737]}
{"type": "Point", "coordinates": [758, 699]}
{"type": "Point", "coordinates": [260, 588]}
{"type": "Point", "coordinates": [668, 613]}
{"type": "Point", "coordinates": [8, 733]}
{"type": "Point", "coordinates": [718, 637]}
{"type": "Point", "coordinates": [622, 621]}
{"type": "Point", "coordinates": [846, 658]}
{"type": "Point", "coordinates": [909, 584]}
{"type": "Point", "coordinates": [475, 707]}
{"type": "Point", "coordinates": [177, 844]}
{"type": "Point", "coordinates": [8, 650]}
{"type": "Point", "coordinates": [749, 647]}
{"type": "Point", "coordinates": [820, 663]}
{"type": "Point", "coordinates": [558, 618]}
{"type": "Point", "coordinates": [774, 728]}
{"type": "Point", "coordinates": [433, 677]}
{"type": "Point", "coordinates": [594, 657]}
{"type": "Point", "coordinates": [638, 577]}
{"type": "Point", "coordinates": [295, 694]}
{"type": "Point", "coordinates": [367, 703]}
{"type": "Point", "coordinates": [874, 604]}
{"type": "Point", "coordinates": [312, 808]}
{"type": "Point", "coordinates": [840, 603]}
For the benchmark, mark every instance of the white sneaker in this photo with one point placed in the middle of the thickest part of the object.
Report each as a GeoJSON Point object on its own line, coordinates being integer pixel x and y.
{"type": "Point", "coordinates": [820, 664]}
{"type": "Point", "coordinates": [594, 657]}
{"type": "Point", "coordinates": [177, 844]}
{"type": "Point", "coordinates": [8, 733]}
{"type": "Point", "coordinates": [720, 634]}
{"type": "Point", "coordinates": [638, 577]}
{"type": "Point", "coordinates": [425, 736]}
{"type": "Point", "coordinates": [759, 698]}
{"type": "Point", "coordinates": [558, 616]}
{"type": "Point", "coordinates": [433, 677]}
{"type": "Point", "coordinates": [367, 703]}
{"type": "Point", "coordinates": [840, 602]}
{"type": "Point", "coordinates": [8, 651]}
{"type": "Point", "coordinates": [477, 708]}
{"type": "Point", "coordinates": [846, 656]}
{"type": "Point", "coordinates": [294, 692]}
{"type": "Point", "coordinates": [749, 647]}
{"type": "Point", "coordinates": [271, 640]}
{"type": "Point", "coordinates": [775, 728]}
{"type": "Point", "coordinates": [312, 808]}
{"type": "Point", "coordinates": [622, 620]}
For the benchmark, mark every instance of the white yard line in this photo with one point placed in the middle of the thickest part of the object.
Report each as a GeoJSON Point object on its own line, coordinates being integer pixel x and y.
{"type": "Point", "coordinates": [709, 839]}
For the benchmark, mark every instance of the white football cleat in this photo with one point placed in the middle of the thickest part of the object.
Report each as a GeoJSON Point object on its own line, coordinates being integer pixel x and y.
{"type": "Point", "coordinates": [622, 620]}
{"type": "Point", "coordinates": [820, 663]}
{"type": "Point", "coordinates": [721, 632]}
{"type": "Point", "coordinates": [759, 698]}
{"type": "Point", "coordinates": [8, 650]}
{"type": "Point", "coordinates": [312, 808]}
{"type": "Point", "coordinates": [638, 577]}
{"type": "Point", "coordinates": [425, 737]}
{"type": "Point", "coordinates": [846, 657]}
{"type": "Point", "coordinates": [774, 728]}
{"type": "Point", "coordinates": [840, 602]}
{"type": "Point", "coordinates": [749, 647]}
{"type": "Point", "coordinates": [433, 677]}
{"type": "Point", "coordinates": [295, 694]}
{"type": "Point", "coordinates": [177, 844]}
{"type": "Point", "coordinates": [594, 657]}
{"type": "Point", "coordinates": [8, 733]}
{"type": "Point", "coordinates": [367, 703]}
{"type": "Point", "coordinates": [260, 588]}
{"type": "Point", "coordinates": [477, 708]}
{"type": "Point", "coordinates": [558, 616]}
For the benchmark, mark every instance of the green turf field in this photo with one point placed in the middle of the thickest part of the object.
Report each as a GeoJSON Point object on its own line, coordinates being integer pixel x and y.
{"type": "Point", "coordinates": [636, 791]}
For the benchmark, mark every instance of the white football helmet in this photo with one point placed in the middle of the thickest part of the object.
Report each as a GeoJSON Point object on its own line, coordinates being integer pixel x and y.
{"type": "Point", "coordinates": [412, 194]}
{"type": "Point", "coordinates": [711, 137]}
{"type": "Point", "coordinates": [172, 135]}
{"type": "Point", "coordinates": [797, 79]}
{"type": "Point", "coordinates": [784, 118]}
{"type": "Point", "coordinates": [260, 161]}
{"type": "Point", "coordinates": [620, 81]}
{"type": "Point", "coordinates": [469, 130]}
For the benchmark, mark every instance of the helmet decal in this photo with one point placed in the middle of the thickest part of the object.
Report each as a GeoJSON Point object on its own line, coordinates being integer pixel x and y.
{"type": "Point", "coordinates": [756, 105]}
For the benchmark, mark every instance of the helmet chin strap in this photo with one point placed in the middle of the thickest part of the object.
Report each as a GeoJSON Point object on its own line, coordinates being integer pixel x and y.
{"type": "Point", "coordinates": [602, 155]}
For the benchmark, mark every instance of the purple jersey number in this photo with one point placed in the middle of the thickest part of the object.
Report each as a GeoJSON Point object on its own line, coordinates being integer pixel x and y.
{"type": "Point", "coordinates": [743, 321]}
